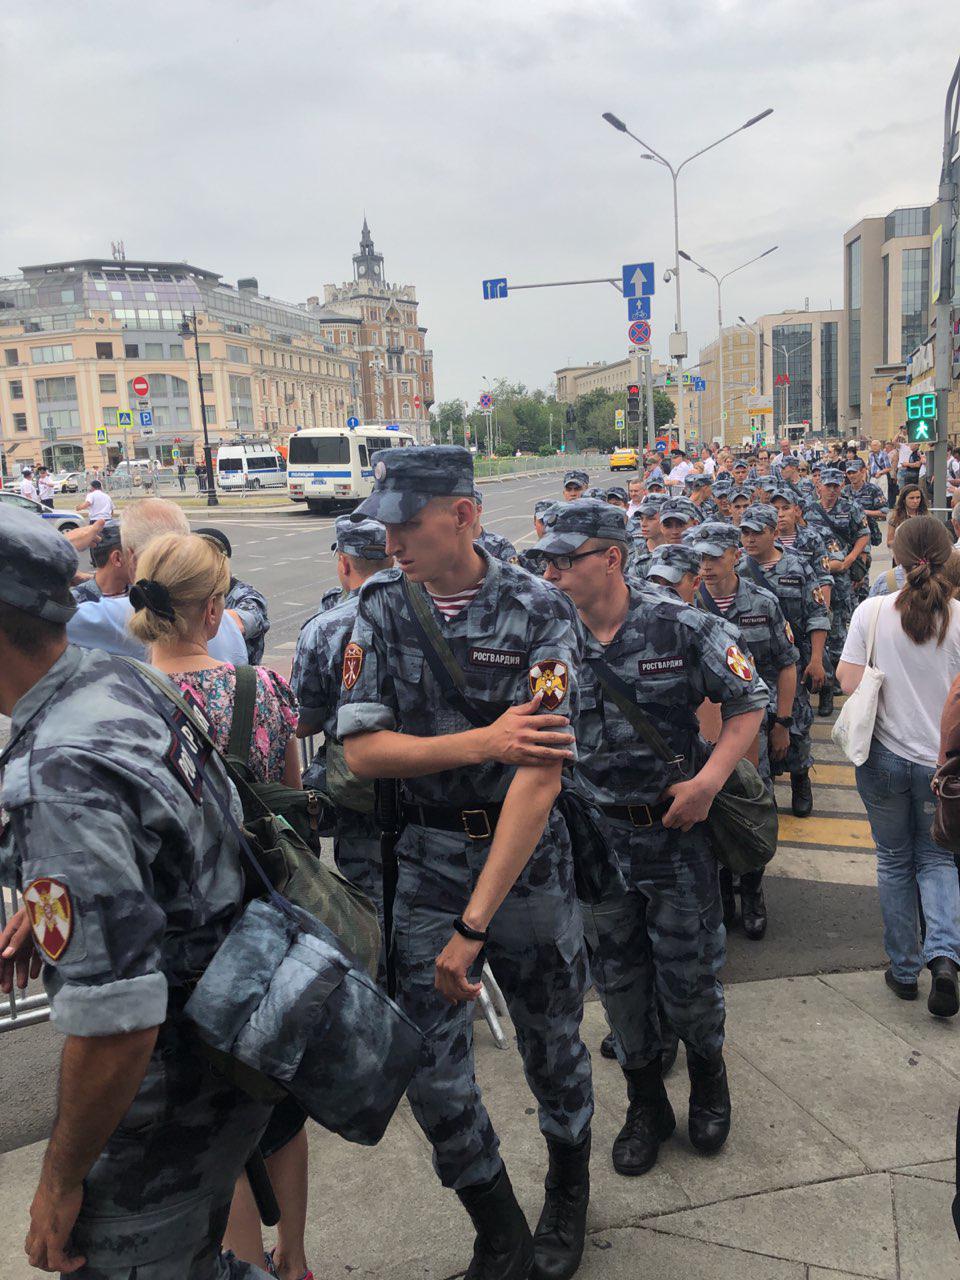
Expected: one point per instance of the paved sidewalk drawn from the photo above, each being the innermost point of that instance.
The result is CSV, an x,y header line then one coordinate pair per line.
x,y
839,1164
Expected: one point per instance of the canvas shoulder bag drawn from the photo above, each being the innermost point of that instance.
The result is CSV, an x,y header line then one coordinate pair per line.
x,y
853,730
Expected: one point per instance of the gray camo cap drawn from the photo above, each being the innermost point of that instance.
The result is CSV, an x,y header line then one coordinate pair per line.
x,y
366,539
36,564
405,480
713,538
671,561
579,478
759,517
570,524
680,509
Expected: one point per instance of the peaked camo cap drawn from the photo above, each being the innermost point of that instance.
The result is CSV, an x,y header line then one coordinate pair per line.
x,y
405,480
36,564
570,524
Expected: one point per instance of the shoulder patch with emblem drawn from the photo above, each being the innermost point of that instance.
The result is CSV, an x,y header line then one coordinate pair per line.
x,y
789,632
739,663
549,677
819,596
352,663
51,915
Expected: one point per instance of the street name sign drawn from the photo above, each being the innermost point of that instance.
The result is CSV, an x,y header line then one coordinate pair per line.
x,y
638,279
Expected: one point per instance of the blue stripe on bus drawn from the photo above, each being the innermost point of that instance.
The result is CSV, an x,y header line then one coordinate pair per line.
x,y
326,474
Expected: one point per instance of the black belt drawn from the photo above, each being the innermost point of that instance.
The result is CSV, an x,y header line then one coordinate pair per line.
x,y
641,815
479,823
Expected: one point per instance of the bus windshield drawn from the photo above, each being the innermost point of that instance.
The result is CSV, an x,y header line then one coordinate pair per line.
x,y
310,450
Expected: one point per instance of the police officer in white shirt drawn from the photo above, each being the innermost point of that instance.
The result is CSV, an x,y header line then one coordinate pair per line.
x,y
98,503
45,487
27,488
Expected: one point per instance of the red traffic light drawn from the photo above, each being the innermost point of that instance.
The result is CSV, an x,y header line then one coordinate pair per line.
x,y
633,390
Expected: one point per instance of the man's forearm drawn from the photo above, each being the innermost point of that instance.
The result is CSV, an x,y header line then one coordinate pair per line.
x,y
818,641
99,1078
786,690
526,808
736,738
386,754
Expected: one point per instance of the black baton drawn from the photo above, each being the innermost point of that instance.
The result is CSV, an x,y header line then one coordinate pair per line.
x,y
262,1189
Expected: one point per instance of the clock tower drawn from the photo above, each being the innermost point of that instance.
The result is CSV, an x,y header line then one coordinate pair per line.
x,y
367,264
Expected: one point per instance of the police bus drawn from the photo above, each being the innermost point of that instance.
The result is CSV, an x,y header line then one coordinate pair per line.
x,y
251,465
332,464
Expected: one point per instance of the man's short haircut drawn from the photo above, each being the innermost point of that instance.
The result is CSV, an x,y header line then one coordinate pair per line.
x,y
147,519
29,634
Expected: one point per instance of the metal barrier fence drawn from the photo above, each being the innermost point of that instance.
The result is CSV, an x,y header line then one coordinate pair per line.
x,y
20,1009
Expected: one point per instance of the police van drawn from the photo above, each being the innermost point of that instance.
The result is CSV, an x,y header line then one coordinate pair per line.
x,y
250,466
331,465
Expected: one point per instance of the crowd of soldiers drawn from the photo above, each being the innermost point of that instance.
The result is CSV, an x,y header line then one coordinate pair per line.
x,y
497,690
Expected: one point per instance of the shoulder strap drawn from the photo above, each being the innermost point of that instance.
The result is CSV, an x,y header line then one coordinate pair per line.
x,y
621,693
872,637
708,602
244,704
439,657
757,574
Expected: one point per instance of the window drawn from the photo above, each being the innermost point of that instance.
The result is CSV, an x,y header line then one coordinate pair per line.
x,y
404,387
104,350
19,422
906,222
179,388
206,381
204,350
51,355
12,356
16,389
108,382
885,311
914,298
828,375
108,415
176,350
153,350
311,450
56,389
237,354
54,420
241,400
792,355
362,450
131,350
211,415
853,322
182,414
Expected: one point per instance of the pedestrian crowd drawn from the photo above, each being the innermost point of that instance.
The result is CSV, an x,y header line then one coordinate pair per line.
x,y
526,756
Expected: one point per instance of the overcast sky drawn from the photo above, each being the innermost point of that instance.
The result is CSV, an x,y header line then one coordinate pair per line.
x,y
249,136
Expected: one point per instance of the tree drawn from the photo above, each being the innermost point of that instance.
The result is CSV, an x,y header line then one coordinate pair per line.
x,y
664,409
447,421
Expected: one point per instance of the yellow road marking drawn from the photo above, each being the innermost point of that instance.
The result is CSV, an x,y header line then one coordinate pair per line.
x,y
834,833
834,775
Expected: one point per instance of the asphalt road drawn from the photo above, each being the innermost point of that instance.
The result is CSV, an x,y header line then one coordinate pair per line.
x,y
822,898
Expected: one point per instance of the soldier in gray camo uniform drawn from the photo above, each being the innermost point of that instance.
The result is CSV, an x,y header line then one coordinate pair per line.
x,y
873,504
111,576
574,484
644,533
485,862
316,680
498,546
801,598
245,602
662,937
531,560
701,495
843,527
729,593
130,879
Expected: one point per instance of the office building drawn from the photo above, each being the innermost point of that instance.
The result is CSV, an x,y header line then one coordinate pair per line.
x,y
740,381
75,335
574,381
886,306
396,366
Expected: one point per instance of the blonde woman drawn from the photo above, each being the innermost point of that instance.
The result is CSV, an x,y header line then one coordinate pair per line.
x,y
178,603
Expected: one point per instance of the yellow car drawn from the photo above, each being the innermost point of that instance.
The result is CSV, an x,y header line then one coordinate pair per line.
x,y
623,460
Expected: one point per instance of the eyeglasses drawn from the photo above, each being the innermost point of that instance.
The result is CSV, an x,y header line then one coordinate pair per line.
x,y
566,562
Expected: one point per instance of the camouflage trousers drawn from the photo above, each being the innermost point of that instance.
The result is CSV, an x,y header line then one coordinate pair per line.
x,y
799,755
536,952
661,941
842,605
156,1201
356,851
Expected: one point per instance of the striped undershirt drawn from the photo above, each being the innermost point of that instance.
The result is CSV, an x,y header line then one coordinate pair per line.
x,y
788,539
723,603
450,606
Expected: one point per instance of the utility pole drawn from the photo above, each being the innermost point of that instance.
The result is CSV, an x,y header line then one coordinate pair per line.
x,y
943,341
648,382
188,328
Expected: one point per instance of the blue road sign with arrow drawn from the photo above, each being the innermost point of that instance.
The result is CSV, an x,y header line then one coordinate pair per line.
x,y
638,279
638,308
353,422
496,288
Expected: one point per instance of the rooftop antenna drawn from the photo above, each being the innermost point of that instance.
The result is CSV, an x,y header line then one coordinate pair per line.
x,y
118,250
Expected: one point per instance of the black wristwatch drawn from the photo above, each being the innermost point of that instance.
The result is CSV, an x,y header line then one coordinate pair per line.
x,y
785,721
472,935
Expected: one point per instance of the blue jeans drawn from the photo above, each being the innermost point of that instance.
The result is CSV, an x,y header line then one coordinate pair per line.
x,y
900,806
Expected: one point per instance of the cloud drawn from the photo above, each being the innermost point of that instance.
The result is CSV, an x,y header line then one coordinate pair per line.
x,y
249,138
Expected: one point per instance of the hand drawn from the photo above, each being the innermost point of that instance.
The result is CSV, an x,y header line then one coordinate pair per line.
x,y
779,742
451,969
52,1216
816,673
522,737
18,955
691,803
86,536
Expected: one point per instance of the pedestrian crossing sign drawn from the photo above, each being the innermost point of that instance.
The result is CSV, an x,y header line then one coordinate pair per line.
x,y
125,419
102,435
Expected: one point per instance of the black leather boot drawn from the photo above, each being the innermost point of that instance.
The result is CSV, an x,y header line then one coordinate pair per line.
x,y
606,1046
671,1043
728,899
709,1119
558,1239
753,910
801,794
944,998
650,1121
503,1249
826,701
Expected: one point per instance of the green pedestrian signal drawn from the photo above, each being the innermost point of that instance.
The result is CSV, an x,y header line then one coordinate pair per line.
x,y
921,417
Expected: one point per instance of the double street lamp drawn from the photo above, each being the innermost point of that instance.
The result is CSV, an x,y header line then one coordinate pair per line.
x,y
188,329
678,349
718,280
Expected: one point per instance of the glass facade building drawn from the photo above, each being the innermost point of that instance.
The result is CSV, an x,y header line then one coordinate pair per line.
x,y
853,323
792,358
914,299
829,381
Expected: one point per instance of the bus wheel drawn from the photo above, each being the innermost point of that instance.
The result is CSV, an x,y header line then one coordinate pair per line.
x,y
315,507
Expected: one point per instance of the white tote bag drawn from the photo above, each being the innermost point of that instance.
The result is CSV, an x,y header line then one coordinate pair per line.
x,y
853,730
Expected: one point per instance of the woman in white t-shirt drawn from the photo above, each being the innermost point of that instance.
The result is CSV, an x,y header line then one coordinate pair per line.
x,y
918,651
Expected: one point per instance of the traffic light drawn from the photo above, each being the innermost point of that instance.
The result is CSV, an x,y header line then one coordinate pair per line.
x,y
921,417
633,404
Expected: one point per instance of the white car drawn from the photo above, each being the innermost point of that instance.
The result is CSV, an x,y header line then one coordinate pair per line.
x,y
63,521
67,482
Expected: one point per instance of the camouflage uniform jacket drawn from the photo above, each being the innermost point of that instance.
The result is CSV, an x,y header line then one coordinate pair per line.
x,y
87,590
252,608
318,665
498,546
800,597
757,614
518,635
674,656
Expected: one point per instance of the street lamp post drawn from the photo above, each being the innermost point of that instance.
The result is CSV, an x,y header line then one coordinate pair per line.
x,y
718,280
786,353
651,154
187,329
